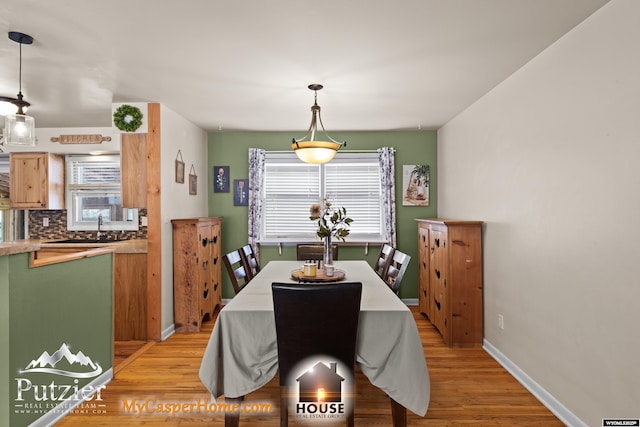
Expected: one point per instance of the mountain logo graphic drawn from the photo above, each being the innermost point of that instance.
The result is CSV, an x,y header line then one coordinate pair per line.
x,y
71,365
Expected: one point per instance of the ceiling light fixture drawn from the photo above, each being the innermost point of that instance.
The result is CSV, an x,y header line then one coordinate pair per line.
x,y
19,129
310,150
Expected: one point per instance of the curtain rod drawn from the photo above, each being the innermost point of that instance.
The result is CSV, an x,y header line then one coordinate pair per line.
x,y
341,151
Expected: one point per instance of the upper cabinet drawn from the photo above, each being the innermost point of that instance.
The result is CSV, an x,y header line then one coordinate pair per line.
x,y
37,180
133,170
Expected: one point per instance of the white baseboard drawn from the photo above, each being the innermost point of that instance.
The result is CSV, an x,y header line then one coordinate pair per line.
x,y
546,398
170,330
68,405
406,301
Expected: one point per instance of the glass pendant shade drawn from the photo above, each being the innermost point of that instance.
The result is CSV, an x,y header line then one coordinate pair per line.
x,y
20,130
316,152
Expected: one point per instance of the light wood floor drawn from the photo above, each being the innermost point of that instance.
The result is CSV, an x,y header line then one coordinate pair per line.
x,y
468,387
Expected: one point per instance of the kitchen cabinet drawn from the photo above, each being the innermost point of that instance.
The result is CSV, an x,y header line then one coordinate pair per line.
x,y
130,296
133,170
197,274
450,278
37,180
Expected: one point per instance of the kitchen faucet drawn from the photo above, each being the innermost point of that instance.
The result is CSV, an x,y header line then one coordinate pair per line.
x,y
99,234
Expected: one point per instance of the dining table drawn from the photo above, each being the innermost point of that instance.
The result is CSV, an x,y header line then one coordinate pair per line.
x,y
242,355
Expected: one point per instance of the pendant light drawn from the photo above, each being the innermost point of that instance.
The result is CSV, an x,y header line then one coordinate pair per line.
x,y
311,150
19,129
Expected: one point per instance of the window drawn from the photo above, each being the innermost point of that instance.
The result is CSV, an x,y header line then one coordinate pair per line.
x,y
350,180
93,189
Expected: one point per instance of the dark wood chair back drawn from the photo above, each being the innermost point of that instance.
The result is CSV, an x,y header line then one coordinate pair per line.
x,y
236,269
314,251
383,260
396,269
314,320
250,261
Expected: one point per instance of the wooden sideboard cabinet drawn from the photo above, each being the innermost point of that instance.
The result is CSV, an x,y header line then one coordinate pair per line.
x,y
37,180
450,278
197,286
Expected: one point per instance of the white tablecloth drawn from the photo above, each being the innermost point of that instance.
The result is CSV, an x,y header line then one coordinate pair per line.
x,y
242,354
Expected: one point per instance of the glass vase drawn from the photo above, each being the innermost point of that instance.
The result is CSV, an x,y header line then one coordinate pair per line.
x,y
328,253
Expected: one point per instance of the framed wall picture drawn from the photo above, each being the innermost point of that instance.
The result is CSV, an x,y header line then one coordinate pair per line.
x,y
221,179
415,185
179,168
193,181
241,192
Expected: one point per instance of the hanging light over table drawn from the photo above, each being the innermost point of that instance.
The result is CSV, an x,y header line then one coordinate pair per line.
x,y
307,148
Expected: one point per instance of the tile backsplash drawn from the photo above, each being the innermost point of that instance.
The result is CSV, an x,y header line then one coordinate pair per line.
x,y
57,228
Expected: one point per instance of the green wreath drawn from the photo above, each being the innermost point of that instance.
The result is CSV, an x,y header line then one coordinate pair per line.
x,y
127,118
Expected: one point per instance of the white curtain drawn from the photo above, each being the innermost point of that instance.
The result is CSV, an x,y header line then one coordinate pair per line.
x,y
256,177
387,171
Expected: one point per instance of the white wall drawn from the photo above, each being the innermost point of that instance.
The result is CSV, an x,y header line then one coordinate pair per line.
x,y
549,160
176,133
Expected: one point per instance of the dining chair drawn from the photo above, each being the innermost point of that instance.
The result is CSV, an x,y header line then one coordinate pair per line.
x,y
314,251
236,269
250,261
314,320
383,260
396,269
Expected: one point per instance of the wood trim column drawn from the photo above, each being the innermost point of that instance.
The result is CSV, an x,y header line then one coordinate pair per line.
x,y
154,230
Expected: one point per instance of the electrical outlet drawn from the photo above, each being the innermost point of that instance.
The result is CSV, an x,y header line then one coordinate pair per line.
x,y
45,222
500,321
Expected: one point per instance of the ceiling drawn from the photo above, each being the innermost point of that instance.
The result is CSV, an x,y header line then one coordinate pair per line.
x,y
245,65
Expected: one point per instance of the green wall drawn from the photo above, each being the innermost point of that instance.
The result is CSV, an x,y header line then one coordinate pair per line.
x,y
69,302
4,340
412,147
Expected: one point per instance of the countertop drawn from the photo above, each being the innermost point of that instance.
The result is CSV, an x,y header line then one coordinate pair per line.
x,y
120,246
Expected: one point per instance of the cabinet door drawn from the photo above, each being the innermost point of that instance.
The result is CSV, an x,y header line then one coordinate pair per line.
x,y
37,181
28,180
438,282
216,264
133,170
423,272
205,266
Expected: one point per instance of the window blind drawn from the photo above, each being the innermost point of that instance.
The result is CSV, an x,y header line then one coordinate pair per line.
x,y
290,188
94,172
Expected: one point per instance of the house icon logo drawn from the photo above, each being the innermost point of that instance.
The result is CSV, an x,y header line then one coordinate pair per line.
x,y
321,383
323,386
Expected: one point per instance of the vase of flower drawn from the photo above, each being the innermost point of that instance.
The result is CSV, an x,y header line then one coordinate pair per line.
x,y
327,259
332,222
